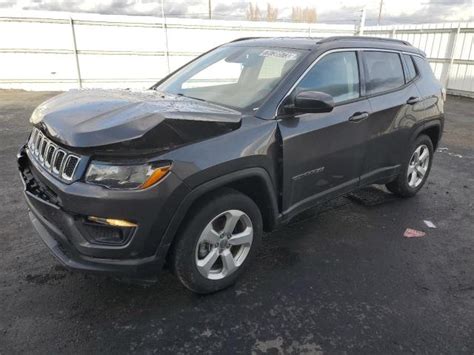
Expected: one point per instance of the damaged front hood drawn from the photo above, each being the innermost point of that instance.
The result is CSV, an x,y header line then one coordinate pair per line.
x,y
147,119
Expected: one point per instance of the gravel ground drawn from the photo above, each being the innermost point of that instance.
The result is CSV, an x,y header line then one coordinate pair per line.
x,y
339,279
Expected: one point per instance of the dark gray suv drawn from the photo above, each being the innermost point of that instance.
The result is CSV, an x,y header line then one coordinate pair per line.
x,y
236,142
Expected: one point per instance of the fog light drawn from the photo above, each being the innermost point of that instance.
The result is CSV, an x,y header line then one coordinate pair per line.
x,y
112,222
106,231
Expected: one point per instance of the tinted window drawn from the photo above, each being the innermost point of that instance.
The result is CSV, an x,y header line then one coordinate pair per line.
x,y
411,71
424,67
384,71
336,74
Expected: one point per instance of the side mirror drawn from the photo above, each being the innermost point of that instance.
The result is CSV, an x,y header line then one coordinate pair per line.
x,y
312,102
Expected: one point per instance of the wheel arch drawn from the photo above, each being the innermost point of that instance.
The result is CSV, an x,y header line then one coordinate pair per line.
x,y
253,182
433,130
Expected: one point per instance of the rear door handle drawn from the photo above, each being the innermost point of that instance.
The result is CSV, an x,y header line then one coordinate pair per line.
x,y
413,100
358,116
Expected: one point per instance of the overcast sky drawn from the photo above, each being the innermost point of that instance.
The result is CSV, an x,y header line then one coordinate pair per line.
x,y
329,11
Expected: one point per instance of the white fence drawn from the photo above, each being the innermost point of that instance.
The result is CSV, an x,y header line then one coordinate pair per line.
x,y
53,51
58,51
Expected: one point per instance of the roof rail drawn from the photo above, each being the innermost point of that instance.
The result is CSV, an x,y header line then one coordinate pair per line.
x,y
244,39
348,38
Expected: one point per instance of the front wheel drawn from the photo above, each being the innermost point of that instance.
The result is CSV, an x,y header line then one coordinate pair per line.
x,y
415,169
218,241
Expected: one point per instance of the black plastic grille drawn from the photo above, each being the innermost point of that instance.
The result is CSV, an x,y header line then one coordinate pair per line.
x,y
50,153
59,160
106,235
34,186
43,147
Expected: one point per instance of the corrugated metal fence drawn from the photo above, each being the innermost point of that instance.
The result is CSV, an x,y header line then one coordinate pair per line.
x,y
49,50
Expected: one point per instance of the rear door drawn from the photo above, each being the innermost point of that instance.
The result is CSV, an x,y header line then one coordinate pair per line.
x,y
323,153
392,100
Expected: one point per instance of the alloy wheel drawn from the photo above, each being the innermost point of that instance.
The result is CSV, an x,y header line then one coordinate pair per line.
x,y
418,166
224,244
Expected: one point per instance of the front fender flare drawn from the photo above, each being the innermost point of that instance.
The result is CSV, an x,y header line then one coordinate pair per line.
x,y
201,190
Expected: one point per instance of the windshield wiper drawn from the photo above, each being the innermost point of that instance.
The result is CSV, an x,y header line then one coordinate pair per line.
x,y
190,97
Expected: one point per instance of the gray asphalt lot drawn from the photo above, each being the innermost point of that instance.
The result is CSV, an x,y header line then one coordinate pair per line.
x,y
341,278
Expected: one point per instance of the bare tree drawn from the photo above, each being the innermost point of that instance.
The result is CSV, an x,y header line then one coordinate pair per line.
x,y
272,13
307,14
253,13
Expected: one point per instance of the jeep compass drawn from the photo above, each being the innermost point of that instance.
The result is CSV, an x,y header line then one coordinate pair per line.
x,y
192,171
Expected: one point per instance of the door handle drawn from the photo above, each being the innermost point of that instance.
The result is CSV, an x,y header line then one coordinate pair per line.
x,y
358,116
413,100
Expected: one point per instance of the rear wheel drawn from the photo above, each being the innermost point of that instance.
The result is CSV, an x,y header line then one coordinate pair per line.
x,y
218,242
415,169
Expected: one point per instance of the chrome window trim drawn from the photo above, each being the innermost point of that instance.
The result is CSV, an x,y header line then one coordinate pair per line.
x,y
350,49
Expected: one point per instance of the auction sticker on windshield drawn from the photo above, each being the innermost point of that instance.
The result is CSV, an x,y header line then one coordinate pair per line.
x,y
279,54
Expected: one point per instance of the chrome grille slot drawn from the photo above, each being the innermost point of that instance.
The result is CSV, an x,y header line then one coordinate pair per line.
x,y
57,161
69,167
32,141
42,153
49,154
39,139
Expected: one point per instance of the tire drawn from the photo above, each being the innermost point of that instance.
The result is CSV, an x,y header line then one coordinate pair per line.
x,y
411,180
207,232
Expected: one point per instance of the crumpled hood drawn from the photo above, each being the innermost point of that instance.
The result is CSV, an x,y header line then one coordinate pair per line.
x,y
134,119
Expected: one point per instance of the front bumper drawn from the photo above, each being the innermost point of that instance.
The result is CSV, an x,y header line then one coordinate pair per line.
x,y
58,211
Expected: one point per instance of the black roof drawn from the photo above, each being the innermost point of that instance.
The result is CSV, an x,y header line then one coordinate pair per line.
x,y
285,42
311,43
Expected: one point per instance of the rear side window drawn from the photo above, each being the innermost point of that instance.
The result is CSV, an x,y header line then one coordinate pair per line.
x,y
411,71
424,67
384,71
336,74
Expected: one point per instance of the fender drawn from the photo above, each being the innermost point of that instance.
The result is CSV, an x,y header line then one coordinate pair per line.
x,y
436,122
211,185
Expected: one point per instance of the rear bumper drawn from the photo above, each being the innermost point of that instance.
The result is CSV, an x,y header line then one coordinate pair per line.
x,y
58,212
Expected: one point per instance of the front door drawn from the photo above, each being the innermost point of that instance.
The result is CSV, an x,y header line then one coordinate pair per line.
x,y
323,153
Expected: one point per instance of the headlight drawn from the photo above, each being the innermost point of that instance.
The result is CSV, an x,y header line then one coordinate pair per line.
x,y
37,114
126,176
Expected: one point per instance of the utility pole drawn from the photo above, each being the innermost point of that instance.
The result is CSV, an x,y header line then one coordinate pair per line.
x,y
165,30
360,29
210,10
380,13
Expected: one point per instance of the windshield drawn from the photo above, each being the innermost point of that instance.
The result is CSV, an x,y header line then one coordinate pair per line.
x,y
238,77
